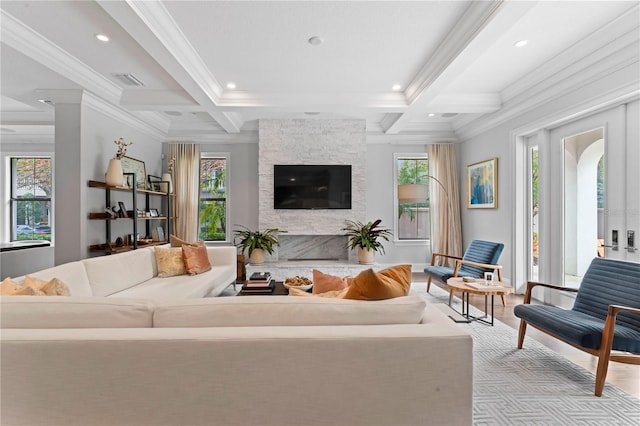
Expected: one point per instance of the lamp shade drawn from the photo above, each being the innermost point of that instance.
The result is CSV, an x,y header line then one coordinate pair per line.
x,y
412,193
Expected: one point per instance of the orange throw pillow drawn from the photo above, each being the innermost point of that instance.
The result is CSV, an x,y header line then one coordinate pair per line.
x,y
323,283
196,260
385,284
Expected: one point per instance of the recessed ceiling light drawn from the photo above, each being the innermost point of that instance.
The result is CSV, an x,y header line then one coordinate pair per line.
x,y
46,101
231,85
432,114
396,87
315,41
521,43
102,37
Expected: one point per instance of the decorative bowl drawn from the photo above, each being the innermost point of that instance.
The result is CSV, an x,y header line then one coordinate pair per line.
x,y
304,287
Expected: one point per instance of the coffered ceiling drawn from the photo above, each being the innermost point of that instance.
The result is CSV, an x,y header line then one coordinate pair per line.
x,y
454,63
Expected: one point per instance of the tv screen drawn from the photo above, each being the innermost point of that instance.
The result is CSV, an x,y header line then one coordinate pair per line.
x,y
311,186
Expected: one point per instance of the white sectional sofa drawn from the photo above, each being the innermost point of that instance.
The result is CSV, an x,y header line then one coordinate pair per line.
x,y
130,362
134,274
177,358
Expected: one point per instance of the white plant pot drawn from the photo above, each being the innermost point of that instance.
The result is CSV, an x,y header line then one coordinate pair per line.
x,y
114,176
366,257
257,257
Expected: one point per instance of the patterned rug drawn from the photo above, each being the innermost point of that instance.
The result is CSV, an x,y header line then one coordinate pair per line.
x,y
532,386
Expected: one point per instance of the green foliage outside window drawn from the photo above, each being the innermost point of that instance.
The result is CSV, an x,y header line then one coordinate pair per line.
x,y
213,199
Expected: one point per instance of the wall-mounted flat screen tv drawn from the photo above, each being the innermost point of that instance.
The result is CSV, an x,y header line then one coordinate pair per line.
x,y
311,186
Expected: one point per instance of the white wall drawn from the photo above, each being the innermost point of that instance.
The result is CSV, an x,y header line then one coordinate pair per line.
x,y
83,156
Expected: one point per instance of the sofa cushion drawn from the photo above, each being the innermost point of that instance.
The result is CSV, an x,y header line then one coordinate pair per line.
x,y
196,259
74,312
182,287
287,311
169,262
110,274
385,284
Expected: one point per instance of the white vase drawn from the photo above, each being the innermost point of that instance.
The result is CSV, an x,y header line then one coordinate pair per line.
x,y
114,176
257,257
365,256
166,177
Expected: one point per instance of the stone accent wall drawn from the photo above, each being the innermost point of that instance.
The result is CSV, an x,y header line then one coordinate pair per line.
x,y
312,141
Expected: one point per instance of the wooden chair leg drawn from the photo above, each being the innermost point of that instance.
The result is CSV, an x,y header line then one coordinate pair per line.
x,y
428,283
521,331
504,300
605,353
451,296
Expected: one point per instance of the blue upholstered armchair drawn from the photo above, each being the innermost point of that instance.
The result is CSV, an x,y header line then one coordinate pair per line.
x,y
604,320
480,257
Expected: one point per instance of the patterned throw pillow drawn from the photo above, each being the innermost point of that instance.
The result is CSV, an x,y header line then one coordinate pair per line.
x,y
53,287
169,261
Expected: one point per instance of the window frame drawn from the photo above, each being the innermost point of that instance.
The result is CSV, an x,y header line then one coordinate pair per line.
x,y
396,225
227,157
7,227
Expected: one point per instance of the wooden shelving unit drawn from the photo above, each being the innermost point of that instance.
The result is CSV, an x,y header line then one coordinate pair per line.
x,y
109,246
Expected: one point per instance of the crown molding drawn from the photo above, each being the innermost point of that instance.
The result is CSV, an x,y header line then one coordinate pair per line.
x,y
215,138
614,36
118,114
19,36
159,21
598,65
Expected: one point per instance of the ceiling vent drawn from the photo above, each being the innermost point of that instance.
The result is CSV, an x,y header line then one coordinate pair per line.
x,y
128,79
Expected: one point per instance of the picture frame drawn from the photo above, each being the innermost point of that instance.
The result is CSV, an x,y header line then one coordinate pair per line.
x,y
154,212
131,165
482,184
154,183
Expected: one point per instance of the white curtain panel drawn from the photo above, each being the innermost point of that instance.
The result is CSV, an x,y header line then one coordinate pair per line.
x,y
186,183
446,230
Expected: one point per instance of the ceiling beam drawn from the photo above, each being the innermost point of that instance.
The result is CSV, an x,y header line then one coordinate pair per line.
x,y
153,27
482,24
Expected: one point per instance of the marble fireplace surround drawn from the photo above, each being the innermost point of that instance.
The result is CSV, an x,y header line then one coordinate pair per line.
x,y
312,247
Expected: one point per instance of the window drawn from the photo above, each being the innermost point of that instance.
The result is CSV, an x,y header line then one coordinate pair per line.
x,y
412,200
213,206
30,201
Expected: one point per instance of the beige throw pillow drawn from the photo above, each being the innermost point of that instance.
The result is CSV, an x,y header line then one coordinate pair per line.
x,y
9,287
53,287
169,262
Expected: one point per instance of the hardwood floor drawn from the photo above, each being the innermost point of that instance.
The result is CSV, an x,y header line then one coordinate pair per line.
x,y
623,376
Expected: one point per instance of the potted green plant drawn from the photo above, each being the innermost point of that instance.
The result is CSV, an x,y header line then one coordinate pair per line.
x,y
366,238
257,242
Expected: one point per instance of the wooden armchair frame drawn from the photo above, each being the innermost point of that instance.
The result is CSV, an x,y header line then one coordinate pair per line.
x,y
459,262
605,353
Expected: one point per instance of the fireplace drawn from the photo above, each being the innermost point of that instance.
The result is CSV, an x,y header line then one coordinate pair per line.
x,y
312,247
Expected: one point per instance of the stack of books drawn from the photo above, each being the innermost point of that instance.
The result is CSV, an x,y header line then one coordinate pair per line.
x,y
259,282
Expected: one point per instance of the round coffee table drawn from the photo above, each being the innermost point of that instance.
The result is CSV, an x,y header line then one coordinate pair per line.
x,y
478,287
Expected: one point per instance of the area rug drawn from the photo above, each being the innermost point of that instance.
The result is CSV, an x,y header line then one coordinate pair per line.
x,y
532,386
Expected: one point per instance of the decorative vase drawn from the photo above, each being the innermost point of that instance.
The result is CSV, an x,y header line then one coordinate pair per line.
x,y
365,256
164,187
114,176
257,257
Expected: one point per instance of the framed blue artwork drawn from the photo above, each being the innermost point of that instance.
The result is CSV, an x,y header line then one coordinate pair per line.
x,y
482,184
